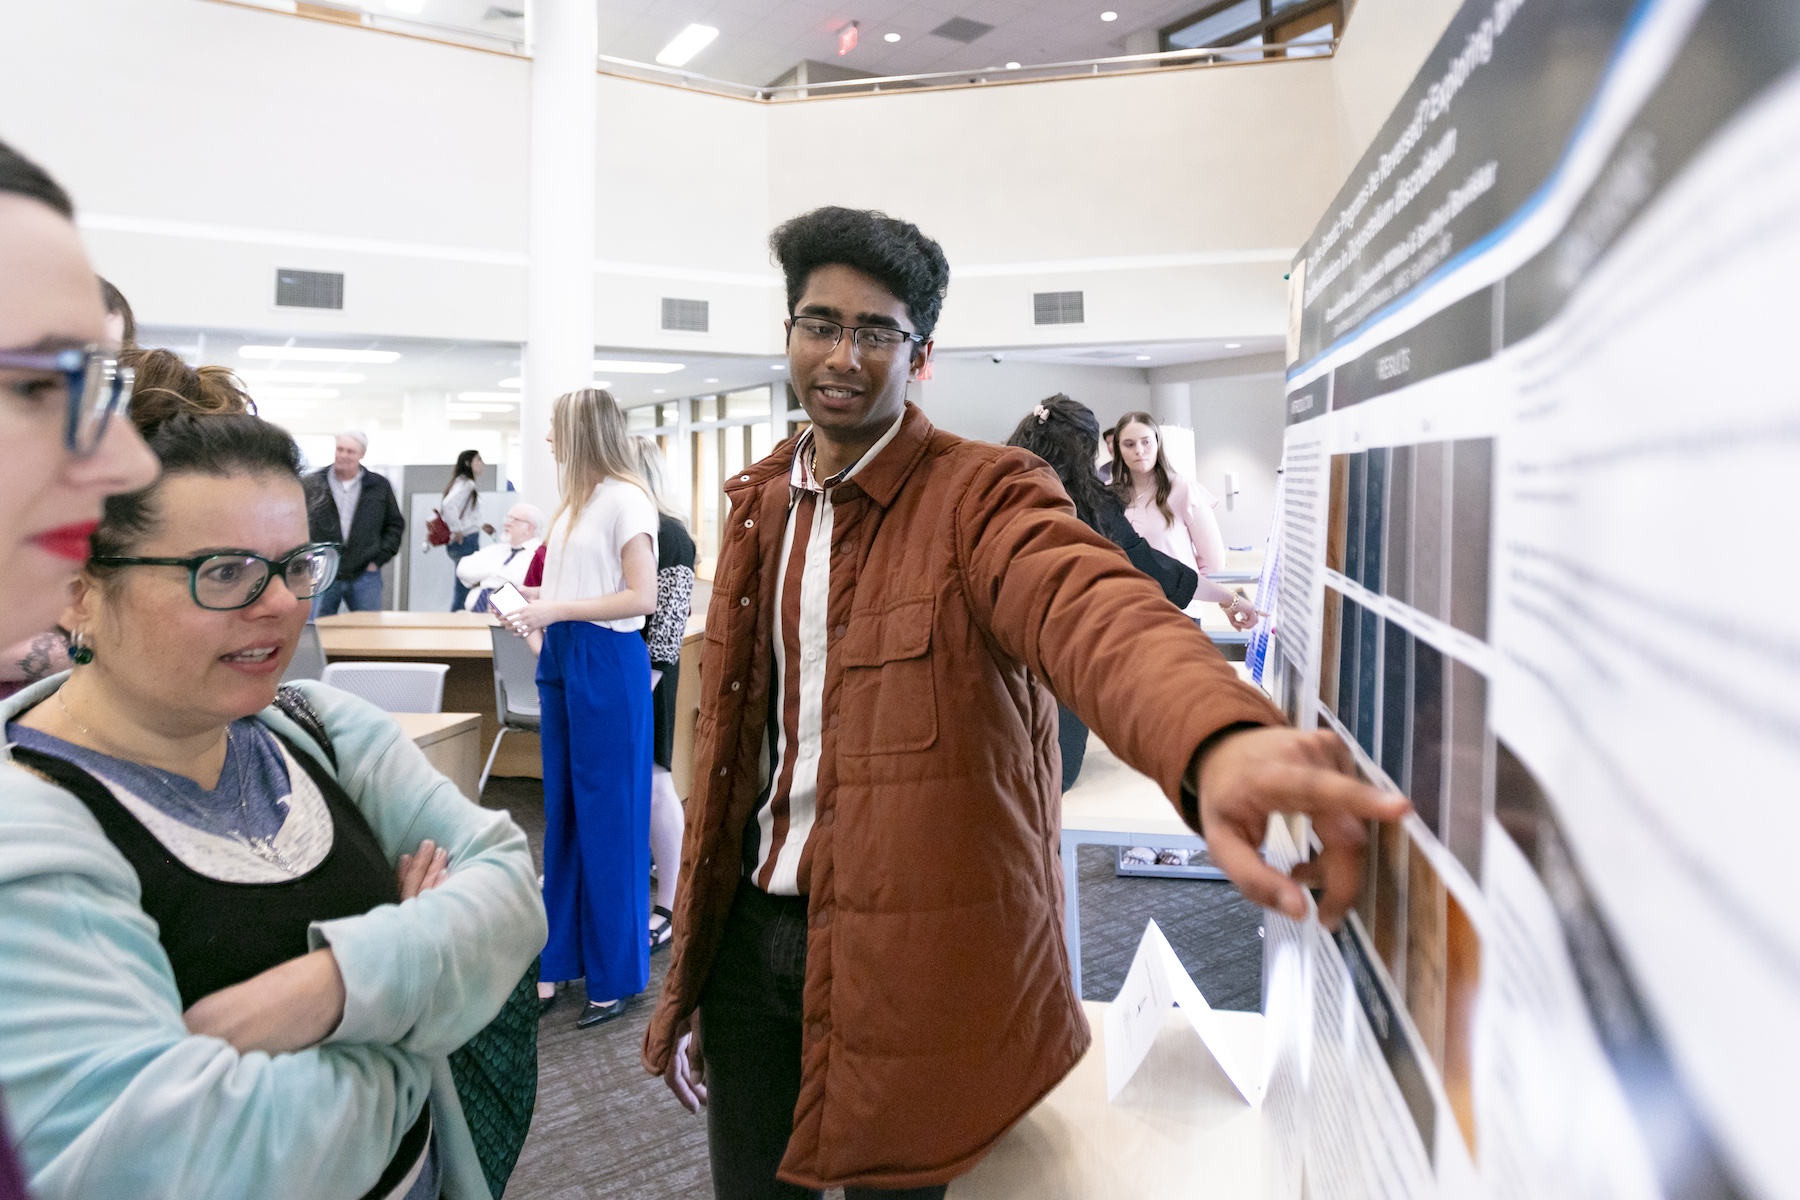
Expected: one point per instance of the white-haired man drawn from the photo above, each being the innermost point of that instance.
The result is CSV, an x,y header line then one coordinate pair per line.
x,y
504,561
355,508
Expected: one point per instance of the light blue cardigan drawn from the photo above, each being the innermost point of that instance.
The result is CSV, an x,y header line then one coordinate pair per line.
x,y
111,1097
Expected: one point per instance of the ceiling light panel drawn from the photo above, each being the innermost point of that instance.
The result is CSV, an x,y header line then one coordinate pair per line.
x,y
686,44
618,366
279,376
325,354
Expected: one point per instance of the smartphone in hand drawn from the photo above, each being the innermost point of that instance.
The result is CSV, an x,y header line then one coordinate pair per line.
x,y
506,600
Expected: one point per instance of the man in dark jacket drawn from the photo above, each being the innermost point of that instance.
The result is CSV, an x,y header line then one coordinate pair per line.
x,y
888,606
356,509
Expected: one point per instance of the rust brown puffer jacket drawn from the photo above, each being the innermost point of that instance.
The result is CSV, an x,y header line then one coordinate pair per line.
x,y
938,1007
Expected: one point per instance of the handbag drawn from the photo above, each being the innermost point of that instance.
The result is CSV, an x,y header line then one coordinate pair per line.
x,y
496,1071
437,530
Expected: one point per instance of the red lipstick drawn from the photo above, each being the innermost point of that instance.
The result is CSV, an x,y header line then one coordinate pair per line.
x,y
68,541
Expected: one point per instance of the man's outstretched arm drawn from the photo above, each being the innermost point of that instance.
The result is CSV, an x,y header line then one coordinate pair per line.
x,y
1067,603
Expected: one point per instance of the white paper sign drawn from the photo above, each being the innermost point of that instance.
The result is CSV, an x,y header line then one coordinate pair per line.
x,y
1157,980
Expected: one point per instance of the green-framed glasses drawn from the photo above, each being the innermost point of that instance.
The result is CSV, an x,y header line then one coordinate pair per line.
x,y
223,580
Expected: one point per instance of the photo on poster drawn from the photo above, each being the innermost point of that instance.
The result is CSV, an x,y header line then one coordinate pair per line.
x,y
1443,976
1330,648
1397,1051
1337,513
1686,1155
1471,523
1470,771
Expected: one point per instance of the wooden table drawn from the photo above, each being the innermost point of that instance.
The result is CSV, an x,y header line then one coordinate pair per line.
x,y
1179,1129
451,742
461,640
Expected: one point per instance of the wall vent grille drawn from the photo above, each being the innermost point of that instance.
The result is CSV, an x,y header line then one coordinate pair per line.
x,y
1057,308
308,289
686,316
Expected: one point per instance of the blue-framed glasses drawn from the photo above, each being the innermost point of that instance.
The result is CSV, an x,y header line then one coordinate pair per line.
x,y
89,381
224,580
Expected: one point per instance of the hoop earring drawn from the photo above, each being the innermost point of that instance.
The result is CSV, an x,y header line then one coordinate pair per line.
x,y
80,653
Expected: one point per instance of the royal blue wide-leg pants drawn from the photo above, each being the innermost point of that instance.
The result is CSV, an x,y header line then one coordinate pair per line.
x,y
594,686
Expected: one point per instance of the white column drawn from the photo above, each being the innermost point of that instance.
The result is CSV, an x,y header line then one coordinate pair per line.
x,y
559,347
1170,404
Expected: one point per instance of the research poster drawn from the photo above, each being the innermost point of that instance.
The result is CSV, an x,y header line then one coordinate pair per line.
x,y
1539,571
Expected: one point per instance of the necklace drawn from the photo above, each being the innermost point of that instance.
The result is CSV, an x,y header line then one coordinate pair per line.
x,y
262,847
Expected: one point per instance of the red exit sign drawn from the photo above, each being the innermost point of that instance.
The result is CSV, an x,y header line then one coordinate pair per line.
x,y
847,39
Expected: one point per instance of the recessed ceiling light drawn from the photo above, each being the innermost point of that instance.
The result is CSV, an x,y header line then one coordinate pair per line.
x,y
890,37
712,380
1012,66
658,391
777,366
601,383
1234,345
1143,358
1109,16
318,354
635,367
466,406
464,416
686,44
413,7
281,395
255,377
506,399
514,382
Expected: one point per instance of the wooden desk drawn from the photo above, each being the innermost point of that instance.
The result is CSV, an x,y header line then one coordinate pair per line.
x,y
451,742
462,640
1179,1129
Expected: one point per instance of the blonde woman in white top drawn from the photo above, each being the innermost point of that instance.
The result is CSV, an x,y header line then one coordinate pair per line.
x,y
596,724
1174,514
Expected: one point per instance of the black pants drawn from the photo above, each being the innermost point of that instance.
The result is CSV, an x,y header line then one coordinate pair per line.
x,y
1072,735
750,1033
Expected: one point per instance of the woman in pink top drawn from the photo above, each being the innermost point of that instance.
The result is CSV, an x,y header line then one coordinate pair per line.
x,y
1173,514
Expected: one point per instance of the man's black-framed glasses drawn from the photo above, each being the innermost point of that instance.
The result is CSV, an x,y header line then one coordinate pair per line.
x,y
224,580
876,341
92,384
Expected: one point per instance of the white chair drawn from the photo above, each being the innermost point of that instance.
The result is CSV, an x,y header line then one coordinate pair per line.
x,y
309,657
398,687
515,692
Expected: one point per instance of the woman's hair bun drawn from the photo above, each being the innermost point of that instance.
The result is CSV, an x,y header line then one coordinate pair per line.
x,y
168,387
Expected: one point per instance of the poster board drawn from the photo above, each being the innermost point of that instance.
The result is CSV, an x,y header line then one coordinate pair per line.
x,y
1537,573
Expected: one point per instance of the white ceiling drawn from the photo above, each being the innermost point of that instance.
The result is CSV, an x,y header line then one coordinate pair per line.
x,y
760,40
1143,356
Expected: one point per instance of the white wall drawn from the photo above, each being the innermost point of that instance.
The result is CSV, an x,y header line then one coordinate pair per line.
x,y
1148,192
1237,424
977,398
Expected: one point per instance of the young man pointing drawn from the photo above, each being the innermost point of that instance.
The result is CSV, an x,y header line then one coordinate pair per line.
x,y
869,984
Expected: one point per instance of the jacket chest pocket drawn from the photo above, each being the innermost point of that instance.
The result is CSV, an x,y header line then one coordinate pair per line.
x,y
888,682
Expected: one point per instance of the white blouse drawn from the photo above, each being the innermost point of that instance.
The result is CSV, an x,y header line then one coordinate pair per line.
x,y
588,562
461,520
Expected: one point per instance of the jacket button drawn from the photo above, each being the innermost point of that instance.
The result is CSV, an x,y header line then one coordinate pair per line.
x,y
840,631
822,918
749,524
743,479
735,685
723,771
834,720
827,817
743,602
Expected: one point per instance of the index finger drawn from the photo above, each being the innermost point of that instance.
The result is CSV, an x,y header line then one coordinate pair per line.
x,y
1243,864
1316,790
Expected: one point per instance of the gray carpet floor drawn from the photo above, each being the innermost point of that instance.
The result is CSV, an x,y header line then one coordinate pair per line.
x,y
604,1128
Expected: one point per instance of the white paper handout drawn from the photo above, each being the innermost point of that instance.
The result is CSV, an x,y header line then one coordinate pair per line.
x,y
1157,980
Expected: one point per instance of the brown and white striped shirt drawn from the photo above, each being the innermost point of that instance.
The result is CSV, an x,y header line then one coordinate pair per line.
x,y
775,849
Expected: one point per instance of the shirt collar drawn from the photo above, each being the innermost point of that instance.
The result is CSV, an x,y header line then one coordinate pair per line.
x,y
802,477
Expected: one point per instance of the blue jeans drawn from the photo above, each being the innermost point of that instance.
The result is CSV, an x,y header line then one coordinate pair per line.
x,y
362,594
459,549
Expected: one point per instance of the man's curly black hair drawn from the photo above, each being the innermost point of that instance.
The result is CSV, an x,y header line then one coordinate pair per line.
x,y
894,252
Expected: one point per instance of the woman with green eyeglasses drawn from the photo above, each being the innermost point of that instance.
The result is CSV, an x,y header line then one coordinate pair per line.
x,y
260,928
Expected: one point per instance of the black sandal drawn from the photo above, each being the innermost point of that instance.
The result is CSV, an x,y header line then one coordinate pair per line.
x,y
660,937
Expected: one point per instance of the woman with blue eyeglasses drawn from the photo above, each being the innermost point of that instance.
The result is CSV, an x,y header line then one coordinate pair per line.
x,y
58,389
